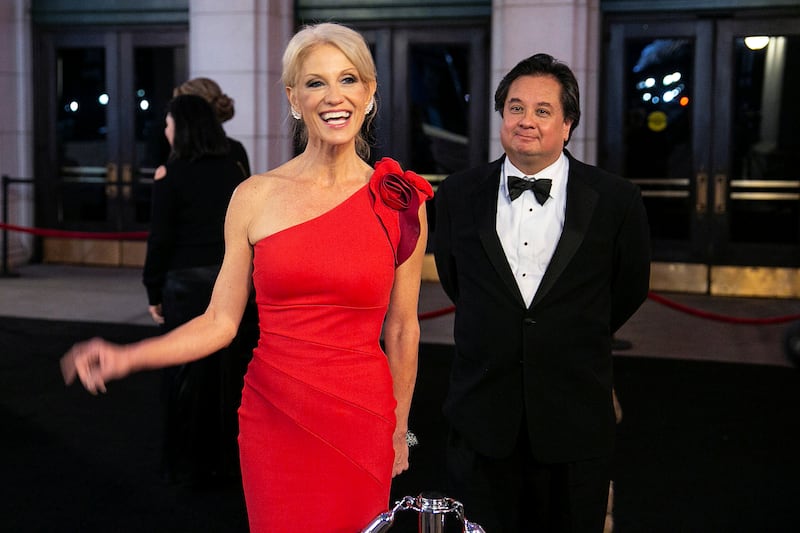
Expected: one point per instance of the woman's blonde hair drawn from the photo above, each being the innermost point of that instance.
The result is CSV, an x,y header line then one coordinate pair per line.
x,y
212,93
352,45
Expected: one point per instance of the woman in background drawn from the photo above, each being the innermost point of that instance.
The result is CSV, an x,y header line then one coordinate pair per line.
x,y
185,248
222,104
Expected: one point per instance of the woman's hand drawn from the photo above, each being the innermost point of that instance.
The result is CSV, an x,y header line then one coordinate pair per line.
x,y
400,444
161,173
94,362
157,313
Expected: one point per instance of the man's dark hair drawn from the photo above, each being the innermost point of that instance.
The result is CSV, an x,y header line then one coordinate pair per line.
x,y
545,65
197,131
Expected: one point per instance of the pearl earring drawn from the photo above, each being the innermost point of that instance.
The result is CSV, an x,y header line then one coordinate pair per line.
x,y
370,106
295,114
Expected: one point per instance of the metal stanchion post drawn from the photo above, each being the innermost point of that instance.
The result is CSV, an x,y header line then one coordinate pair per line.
x,y
433,509
5,220
6,272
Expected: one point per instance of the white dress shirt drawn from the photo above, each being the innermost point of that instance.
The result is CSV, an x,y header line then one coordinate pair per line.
x,y
528,231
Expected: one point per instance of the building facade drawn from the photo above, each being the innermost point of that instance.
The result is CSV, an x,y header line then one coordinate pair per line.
x,y
673,98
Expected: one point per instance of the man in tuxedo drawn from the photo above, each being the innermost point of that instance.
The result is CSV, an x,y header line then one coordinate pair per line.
x,y
545,258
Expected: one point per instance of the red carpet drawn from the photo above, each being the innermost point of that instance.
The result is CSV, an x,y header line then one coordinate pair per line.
x,y
703,447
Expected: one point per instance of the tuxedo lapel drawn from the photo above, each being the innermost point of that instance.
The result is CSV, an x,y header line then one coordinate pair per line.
x,y
581,202
484,202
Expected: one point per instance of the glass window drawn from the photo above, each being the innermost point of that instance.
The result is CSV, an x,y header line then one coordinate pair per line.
x,y
765,168
658,130
439,107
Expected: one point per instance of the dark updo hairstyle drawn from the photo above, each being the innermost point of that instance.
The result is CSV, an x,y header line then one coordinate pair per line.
x,y
545,65
198,133
211,91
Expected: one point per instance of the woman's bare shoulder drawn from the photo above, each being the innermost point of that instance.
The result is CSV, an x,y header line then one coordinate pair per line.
x,y
254,189
267,182
263,194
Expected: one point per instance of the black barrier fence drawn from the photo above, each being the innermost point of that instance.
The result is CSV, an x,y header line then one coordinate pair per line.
x,y
7,181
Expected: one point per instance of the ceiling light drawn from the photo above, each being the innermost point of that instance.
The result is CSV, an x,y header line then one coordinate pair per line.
x,y
756,42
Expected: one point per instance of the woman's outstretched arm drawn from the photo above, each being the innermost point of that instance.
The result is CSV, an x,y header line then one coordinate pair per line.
x,y
96,362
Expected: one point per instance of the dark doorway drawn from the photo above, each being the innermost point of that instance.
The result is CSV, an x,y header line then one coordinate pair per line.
x,y
701,117
100,101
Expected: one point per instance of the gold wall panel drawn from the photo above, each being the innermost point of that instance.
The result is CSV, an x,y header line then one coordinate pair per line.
x,y
82,251
769,282
133,253
98,252
679,277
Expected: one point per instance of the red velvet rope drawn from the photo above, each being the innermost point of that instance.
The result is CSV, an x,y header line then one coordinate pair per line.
x,y
674,305
142,235
65,234
438,312
721,318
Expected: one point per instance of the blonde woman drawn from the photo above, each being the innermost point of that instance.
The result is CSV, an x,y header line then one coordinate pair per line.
x,y
334,248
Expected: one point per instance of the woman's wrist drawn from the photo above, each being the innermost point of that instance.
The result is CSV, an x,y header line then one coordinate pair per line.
x,y
407,436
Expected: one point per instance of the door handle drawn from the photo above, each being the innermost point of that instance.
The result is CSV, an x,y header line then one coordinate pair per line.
x,y
112,190
127,180
720,193
701,196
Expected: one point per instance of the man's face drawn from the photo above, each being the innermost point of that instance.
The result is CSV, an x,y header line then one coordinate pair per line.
x,y
534,129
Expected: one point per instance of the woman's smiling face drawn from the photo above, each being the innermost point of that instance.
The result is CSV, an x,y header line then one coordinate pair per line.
x,y
331,96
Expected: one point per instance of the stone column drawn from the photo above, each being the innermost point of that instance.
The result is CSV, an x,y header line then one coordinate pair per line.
x,y
239,45
16,122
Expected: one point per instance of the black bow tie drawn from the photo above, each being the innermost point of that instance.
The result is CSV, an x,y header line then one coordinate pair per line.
x,y
540,188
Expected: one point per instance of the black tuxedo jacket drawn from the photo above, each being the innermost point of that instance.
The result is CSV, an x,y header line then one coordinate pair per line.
x,y
550,362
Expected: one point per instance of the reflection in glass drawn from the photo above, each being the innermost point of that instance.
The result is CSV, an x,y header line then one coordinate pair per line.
x,y
439,96
765,168
155,71
658,130
81,131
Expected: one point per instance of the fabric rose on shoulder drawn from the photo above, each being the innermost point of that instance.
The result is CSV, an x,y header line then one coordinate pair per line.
x,y
396,198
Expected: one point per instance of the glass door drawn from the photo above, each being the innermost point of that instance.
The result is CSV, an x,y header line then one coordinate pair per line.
x,y
432,89
100,105
658,91
81,170
756,180
159,63
703,121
